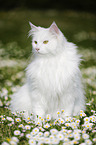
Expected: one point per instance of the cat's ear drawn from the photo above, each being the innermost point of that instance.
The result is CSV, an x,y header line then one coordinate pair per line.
x,y
54,28
33,27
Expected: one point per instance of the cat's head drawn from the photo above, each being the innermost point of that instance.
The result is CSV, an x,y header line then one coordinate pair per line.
x,y
46,40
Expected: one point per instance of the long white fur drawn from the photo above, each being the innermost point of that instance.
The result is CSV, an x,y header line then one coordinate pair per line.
x,y
53,77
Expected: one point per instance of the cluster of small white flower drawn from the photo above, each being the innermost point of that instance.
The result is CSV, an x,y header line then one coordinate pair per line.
x,y
67,130
11,141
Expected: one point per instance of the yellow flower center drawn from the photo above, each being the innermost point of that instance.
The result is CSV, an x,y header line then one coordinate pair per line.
x,y
8,139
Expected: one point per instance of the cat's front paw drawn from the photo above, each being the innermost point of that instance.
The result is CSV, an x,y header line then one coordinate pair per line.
x,y
67,114
39,112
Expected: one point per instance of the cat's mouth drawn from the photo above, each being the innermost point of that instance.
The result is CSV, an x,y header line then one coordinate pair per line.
x,y
38,51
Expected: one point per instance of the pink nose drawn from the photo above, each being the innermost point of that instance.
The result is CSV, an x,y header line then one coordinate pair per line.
x,y
37,49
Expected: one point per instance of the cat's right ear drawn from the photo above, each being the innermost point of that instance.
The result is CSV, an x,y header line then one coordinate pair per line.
x,y
54,28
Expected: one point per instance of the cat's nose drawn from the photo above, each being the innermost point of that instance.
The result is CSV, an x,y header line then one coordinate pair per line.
x,y
37,49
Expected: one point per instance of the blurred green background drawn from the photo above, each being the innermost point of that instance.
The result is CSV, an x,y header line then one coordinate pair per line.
x,y
72,17
76,19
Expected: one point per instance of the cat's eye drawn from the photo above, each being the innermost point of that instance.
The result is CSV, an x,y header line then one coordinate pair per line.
x,y
45,42
35,42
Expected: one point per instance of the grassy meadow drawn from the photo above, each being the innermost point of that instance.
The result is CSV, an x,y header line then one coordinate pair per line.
x,y
15,53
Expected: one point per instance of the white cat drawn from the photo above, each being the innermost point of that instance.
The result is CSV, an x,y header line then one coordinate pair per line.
x,y
53,77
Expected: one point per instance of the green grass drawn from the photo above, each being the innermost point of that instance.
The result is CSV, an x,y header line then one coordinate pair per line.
x,y
15,52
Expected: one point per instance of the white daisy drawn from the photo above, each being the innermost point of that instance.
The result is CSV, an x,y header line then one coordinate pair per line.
x,y
64,131
58,112
77,137
77,121
17,132
3,118
61,121
73,125
42,129
18,119
60,136
88,141
52,137
9,118
69,131
67,119
75,142
35,131
93,118
32,142
40,143
46,134
27,127
94,139
21,126
5,143
46,125
55,141
86,119
48,117
13,143
67,124
47,140
40,134
66,139
93,130
70,135
54,131
15,139
85,136
28,136
42,139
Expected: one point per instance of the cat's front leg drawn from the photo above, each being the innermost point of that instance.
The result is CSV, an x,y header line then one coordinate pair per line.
x,y
38,104
67,104
79,104
68,111
38,110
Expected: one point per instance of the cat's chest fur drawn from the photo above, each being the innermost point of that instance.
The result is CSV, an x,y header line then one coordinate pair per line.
x,y
49,74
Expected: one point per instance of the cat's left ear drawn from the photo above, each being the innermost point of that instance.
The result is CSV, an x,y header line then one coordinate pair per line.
x,y
33,27
54,28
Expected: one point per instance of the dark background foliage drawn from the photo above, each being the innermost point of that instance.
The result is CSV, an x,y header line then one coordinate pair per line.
x,y
85,5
